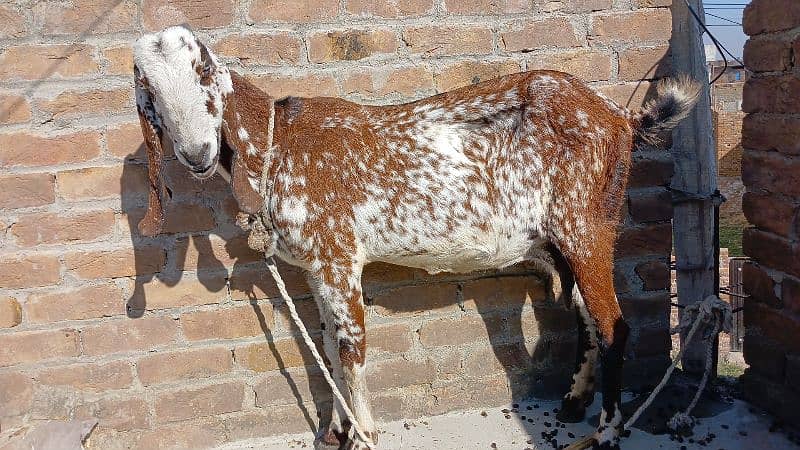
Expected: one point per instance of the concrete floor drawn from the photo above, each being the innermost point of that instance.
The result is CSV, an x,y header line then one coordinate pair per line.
x,y
736,427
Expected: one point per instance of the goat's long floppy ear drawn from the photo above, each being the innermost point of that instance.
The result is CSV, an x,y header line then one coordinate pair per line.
x,y
153,221
250,201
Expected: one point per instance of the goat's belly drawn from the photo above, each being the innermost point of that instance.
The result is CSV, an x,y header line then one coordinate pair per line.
x,y
462,251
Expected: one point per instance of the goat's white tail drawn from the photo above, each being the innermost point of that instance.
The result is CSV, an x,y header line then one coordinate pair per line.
x,y
676,98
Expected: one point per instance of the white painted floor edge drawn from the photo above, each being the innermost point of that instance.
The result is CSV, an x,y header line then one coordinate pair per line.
x,y
736,428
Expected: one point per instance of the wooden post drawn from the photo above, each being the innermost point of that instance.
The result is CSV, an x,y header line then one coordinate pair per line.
x,y
695,176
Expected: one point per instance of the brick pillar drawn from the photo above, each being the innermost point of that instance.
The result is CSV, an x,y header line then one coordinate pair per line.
x,y
771,174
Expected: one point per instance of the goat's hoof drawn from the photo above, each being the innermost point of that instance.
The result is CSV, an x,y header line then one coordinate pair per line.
x,y
355,443
573,410
328,441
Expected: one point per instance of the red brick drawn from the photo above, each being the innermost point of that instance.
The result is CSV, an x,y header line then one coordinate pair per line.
x,y
279,354
34,346
764,356
647,172
199,402
465,73
89,377
158,14
14,109
241,321
630,95
583,6
180,218
454,331
16,393
759,284
56,228
461,394
650,206
156,294
413,300
486,6
207,432
771,94
589,65
306,309
10,312
772,251
539,34
20,191
85,16
35,62
497,359
768,55
448,40
772,213
184,364
770,15
21,271
390,8
280,388
408,81
125,141
261,48
770,172
778,325
100,182
119,414
312,85
255,283
392,338
655,275
381,274
75,304
350,45
125,262
494,293
644,25
648,240
270,421
293,11
119,60
771,132
127,335
72,104
12,22
645,63
25,149
211,251
400,372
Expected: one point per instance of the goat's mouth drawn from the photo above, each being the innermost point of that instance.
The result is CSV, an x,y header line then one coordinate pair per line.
x,y
204,173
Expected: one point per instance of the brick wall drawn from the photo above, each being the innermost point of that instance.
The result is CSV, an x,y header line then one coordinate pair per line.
x,y
771,174
179,340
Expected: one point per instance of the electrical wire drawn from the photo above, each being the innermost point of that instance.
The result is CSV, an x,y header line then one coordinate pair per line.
x,y
721,48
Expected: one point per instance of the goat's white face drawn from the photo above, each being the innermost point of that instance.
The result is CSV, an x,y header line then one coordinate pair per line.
x,y
180,88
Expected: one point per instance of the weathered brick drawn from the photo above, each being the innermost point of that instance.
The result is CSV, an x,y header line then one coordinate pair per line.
x,y
71,104
33,346
770,172
20,271
771,132
647,172
56,228
207,432
20,191
75,304
448,40
241,321
211,251
25,149
157,294
768,55
464,73
771,94
641,63
119,60
261,48
199,402
773,324
254,283
589,65
390,8
35,62
14,109
119,414
280,388
180,218
539,34
461,394
486,6
406,81
772,251
85,16
100,182
392,338
456,331
312,85
641,241
644,25
652,3
399,372
306,309
772,213
488,294
10,312
128,335
350,45
759,284
380,274
124,262
16,393
293,11
125,141
630,95
650,206
12,22
279,354
91,377
412,300
270,421
770,15
579,6
497,358
655,275
184,364
158,14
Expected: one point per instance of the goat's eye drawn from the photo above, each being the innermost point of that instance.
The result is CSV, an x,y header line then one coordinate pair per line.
x,y
207,71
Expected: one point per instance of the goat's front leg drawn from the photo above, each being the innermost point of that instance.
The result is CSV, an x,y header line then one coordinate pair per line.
x,y
338,295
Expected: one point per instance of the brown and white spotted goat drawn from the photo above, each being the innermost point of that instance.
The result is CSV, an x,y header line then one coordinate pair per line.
x,y
527,167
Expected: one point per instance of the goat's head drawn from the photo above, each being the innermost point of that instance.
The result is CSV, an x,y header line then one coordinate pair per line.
x,y
182,92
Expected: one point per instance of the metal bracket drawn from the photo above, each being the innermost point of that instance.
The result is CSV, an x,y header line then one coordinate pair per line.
x,y
681,196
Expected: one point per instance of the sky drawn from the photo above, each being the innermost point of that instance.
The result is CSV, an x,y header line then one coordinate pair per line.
x,y
730,35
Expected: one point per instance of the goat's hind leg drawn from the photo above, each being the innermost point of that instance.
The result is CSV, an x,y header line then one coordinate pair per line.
x,y
581,393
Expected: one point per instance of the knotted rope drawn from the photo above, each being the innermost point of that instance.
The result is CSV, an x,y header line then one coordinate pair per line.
x,y
261,239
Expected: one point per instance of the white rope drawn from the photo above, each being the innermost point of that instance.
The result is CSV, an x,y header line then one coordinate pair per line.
x,y
273,269
710,308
